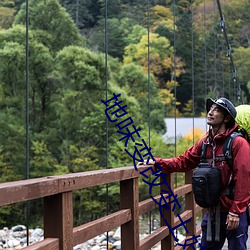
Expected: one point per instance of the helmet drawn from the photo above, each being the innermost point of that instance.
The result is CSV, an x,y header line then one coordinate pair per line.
x,y
223,103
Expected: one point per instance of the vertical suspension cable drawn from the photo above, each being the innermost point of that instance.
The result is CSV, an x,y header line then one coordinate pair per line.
x,y
229,84
77,13
192,28
175,94
205,51
237,89
148,24
174,72
106,81
27,207
149,73
215,52
222,68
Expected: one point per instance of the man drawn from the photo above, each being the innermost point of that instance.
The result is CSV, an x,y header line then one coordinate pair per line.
x,y
221,115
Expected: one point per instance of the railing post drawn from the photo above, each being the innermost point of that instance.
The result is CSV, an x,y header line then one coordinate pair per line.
x,y
190,205
58,219
168,242
129,198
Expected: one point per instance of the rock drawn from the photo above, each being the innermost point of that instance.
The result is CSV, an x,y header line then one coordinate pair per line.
x,y
100,238
38,232
111,240
3,233
117,245
95,248
18,228
111,233
13,243
117,235
103,243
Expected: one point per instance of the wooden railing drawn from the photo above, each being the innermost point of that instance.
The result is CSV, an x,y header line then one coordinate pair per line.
x,y
56,192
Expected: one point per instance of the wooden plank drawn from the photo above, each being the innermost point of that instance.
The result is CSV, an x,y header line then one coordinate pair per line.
x,y
58,219
184,216
94,178
198,230
129,199
24,190
168,242
185,189
90,230
179,247
46,244
198,209
190,205
152,239
148,205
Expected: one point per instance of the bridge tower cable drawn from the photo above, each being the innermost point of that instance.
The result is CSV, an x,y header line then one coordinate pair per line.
x,y
106,83
175,91
216,91
174,81
192,71
205,48
149,122
27,204
236,82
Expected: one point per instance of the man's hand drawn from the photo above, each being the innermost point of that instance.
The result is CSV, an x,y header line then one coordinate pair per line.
x,y
150,162
232,221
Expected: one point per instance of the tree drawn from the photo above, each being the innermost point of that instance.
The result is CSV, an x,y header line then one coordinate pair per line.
x,y
84,13
118,31
78,105
6,17
161,57
132,78
40,60
242,64
53,25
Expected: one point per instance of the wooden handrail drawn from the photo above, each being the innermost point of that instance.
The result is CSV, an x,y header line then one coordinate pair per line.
x,y
58,208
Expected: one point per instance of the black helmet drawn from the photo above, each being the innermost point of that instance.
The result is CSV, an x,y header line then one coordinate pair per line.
x,y
223,103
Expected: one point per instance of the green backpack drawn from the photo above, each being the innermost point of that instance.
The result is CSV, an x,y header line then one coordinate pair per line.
x,y
243,120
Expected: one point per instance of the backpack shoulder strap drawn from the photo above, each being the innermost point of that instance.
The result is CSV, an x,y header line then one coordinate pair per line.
x,y
227,148
203,152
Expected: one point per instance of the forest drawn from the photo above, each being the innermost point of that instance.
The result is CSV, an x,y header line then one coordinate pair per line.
x,y
164,58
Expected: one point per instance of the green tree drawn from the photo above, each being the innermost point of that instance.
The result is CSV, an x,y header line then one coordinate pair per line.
x,y
6,17
242,64
78,105
84,13
53,25
135,82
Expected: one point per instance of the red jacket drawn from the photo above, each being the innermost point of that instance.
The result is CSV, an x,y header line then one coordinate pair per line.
x,y
241,167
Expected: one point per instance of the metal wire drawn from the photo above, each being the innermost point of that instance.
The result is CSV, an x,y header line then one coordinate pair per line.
x,y
205,51
106,81
27,207
236,82
193,93
215,51
148,24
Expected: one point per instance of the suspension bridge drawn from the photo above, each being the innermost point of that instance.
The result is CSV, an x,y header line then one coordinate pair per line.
x,y
56,192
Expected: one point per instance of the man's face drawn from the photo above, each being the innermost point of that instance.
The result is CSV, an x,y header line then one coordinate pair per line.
x,y
215,116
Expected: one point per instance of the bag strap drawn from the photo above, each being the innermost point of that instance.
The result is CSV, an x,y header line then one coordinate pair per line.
x,y
227,148
203,152
227,151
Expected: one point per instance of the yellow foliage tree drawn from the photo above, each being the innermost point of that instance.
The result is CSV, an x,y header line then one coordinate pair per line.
x,y
6,17
161,16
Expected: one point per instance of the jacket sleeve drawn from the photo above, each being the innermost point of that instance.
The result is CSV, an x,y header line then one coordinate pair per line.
x,y
185,162
241,175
